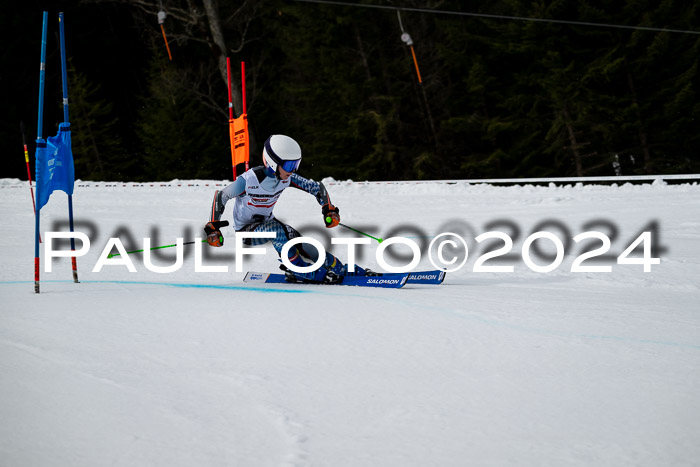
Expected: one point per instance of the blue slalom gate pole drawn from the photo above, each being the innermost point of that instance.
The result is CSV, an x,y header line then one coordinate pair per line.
x,y
42,75
40,146
64,76
64,79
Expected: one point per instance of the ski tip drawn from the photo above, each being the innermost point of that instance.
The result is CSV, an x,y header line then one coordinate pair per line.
x,y
427,277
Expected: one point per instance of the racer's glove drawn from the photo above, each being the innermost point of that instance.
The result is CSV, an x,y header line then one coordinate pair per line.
x,y
331,215
214,235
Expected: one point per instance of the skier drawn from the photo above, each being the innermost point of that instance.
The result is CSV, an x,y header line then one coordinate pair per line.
x,y
255,193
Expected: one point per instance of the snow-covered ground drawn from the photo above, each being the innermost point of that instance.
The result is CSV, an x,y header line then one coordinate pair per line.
x,y
517,368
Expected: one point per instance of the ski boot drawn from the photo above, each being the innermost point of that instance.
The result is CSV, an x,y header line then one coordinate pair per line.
x,y
331,272
359,271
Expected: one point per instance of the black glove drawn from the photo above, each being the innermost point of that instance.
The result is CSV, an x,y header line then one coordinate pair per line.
x,y
214,235
331,215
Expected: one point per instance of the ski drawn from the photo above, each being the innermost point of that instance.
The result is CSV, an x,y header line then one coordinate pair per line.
x,y
387,281
427,277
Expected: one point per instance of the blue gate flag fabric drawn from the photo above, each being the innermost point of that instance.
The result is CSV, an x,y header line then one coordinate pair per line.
x,y
54,165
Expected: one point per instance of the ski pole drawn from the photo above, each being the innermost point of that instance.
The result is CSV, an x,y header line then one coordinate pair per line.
x,y
380,240
111,255
217,225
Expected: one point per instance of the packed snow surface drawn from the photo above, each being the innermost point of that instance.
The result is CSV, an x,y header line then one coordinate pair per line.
x,y
189,368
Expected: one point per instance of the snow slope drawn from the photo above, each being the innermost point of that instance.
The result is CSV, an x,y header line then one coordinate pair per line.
x,y
490,369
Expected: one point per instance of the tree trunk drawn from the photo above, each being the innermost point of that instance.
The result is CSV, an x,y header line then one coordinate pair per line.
x,y
640,132
361,51
572,140
211,8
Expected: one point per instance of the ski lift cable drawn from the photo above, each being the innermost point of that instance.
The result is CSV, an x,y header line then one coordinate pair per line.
x,y
489,16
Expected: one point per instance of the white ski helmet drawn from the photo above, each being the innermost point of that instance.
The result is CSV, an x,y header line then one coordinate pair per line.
x,y
281,151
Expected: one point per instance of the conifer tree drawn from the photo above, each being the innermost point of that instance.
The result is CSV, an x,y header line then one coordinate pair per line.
x,y
97,149
179,139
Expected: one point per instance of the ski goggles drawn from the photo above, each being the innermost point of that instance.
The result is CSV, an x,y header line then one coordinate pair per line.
x,y
288,166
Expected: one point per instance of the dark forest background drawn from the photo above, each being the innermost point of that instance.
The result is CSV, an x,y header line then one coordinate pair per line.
x,y
499,97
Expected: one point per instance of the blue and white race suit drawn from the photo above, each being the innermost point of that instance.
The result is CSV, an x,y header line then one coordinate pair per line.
x,y
254,195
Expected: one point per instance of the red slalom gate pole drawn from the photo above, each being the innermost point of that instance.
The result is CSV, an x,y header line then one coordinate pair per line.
x,y
243,86
29,171
245,110
230,116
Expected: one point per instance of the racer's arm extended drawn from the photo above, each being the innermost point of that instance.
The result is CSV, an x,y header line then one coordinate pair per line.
x,y
331,214
310,186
